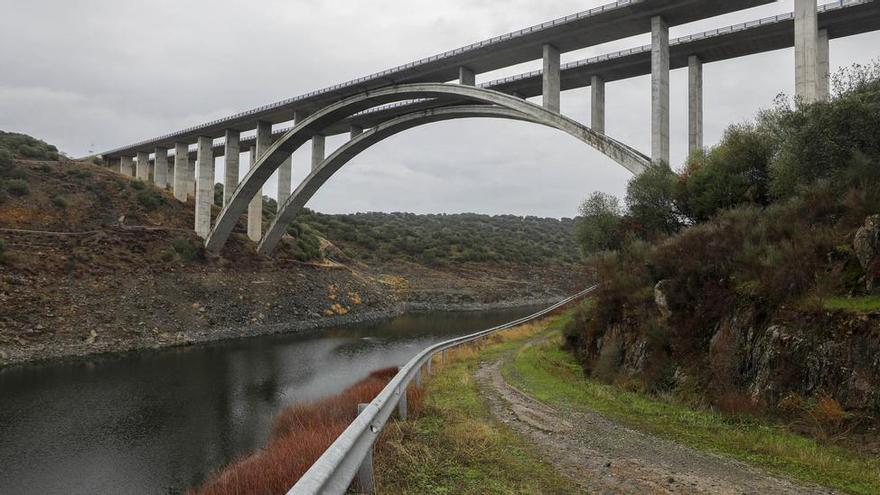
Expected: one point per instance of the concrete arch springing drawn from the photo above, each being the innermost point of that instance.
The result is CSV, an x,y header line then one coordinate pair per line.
x,y
624,155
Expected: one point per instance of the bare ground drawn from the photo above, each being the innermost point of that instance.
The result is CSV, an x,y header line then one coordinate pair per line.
x,y
604,457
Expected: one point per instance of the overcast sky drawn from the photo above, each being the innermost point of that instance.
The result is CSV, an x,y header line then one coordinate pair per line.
x,y
92,75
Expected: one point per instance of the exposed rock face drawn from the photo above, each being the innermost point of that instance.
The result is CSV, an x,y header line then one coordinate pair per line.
x,y
867,248
660,298
807,353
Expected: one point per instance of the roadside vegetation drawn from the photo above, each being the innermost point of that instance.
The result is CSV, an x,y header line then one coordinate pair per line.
x,y
553,376
748,280
456,445
299,437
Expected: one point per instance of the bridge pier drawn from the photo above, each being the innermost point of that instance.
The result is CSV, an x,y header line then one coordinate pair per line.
x,y
466,76
695,103
806,50
181,165
255,208
551,84
597,104
232,156
191,178
143,166
318,150
823,65
204,185
160,168
659,90
125,165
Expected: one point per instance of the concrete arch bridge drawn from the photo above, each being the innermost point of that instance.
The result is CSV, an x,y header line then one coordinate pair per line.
x,y
443,87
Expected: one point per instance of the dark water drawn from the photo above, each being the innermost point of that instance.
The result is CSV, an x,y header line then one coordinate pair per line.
x,y
161,421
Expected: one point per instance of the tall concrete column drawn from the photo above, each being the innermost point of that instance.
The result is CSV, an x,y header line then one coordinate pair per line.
x,y
659,90
466,77
204,185
356,131
806,50
551,86
695,103
160,170
232,155
597,104
823,65
143,166
181,169
284,173
191,177
318,150
125,166
255,209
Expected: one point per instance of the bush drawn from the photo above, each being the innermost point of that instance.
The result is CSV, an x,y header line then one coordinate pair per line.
x,y
27,147
150,200
5,160
59,202
2,250
187,251
138,185
18,187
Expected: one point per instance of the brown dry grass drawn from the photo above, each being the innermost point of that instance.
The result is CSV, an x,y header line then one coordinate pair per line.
x,y
300,435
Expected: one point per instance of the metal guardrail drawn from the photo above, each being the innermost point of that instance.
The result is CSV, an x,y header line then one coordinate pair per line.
x,y
335,470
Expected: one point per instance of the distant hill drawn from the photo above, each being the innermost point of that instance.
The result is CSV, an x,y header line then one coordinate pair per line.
x,y
446,238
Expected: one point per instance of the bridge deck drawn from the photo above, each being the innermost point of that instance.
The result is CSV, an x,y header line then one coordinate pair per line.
x,y
609,22
841,19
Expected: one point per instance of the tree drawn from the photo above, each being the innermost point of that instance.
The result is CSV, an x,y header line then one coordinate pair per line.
x,y
733,173
650,198
598,227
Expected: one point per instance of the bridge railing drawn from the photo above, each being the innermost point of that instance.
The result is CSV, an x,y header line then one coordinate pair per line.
x,y
335,470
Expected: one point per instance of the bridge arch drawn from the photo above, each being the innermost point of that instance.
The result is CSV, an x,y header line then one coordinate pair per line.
x,y
294,204
269,161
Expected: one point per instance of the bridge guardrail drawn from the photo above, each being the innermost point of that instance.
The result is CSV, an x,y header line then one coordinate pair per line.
x,y
335,470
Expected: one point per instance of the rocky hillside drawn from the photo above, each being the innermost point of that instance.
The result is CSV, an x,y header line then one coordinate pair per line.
x,y
91,261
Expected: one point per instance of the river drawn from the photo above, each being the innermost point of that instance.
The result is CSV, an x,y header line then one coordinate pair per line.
x,y
162,421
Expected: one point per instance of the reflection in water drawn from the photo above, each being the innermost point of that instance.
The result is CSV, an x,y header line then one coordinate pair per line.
x,y
161,421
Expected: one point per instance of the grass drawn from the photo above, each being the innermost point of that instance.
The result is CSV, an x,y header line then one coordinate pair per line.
x,y
553,376
853,304
456,446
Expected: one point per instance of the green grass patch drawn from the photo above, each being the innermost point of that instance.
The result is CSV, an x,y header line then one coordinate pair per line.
x,y
854,304
457,447
553,376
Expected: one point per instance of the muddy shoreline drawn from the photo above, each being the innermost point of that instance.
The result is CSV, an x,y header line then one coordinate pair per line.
x,y
201,336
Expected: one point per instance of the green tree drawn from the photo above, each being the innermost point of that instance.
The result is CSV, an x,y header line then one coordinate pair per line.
x,y
650,198
598,227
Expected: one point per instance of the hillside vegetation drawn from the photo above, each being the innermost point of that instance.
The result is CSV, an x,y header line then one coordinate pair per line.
x,y
727,284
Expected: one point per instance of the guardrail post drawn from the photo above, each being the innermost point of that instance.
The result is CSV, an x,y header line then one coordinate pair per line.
x,y
401,403
365,471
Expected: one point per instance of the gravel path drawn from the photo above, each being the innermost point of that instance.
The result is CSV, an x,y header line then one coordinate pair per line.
x,y
604,457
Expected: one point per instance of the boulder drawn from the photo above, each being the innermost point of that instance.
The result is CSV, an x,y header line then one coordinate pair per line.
x,y
866,245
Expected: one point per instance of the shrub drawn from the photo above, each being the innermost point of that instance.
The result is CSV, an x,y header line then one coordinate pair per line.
x,y
5,160
59,202
2,251
187,251
18,187
149,200
138,185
